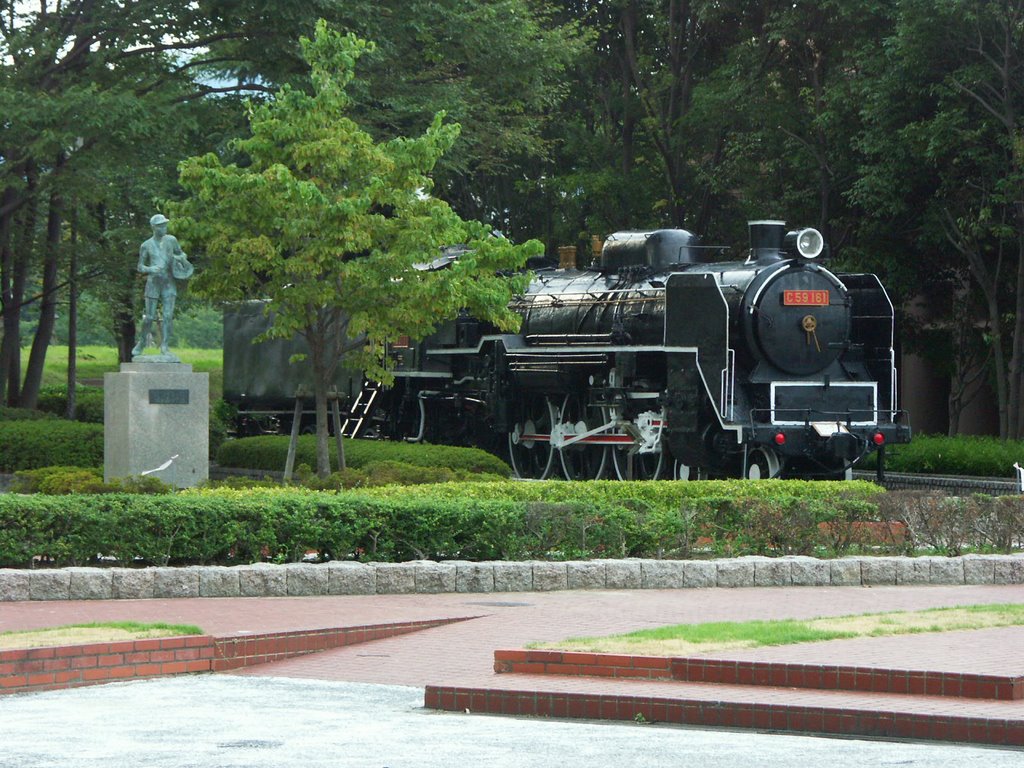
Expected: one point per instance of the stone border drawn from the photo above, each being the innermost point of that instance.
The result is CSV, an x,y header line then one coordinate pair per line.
x,y
428,577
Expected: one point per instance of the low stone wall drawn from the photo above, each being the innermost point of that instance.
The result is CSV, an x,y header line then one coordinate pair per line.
x,y
428,577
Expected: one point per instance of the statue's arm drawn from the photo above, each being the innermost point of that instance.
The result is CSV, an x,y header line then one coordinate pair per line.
x,y
142,266
176,247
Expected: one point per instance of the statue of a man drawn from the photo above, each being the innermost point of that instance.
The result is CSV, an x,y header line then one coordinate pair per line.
x,y
162,259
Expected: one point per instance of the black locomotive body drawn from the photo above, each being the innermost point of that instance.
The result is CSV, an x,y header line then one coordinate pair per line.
x,y
668,361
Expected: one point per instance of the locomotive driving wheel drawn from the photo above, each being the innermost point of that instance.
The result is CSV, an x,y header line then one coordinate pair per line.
x,y
762,463
580,461
529,442
646,466
682,471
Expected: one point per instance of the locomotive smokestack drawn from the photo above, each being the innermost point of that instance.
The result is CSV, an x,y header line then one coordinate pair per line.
x,y
766,239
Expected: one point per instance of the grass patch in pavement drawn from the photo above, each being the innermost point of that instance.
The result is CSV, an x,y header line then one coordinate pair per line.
x,y
696,639
96,632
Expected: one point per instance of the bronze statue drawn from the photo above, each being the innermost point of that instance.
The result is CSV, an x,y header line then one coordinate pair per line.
x,y
162,260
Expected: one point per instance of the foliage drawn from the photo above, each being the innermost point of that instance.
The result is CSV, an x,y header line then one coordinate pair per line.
x,y
268,452
501,69
412,522
390,472
93,362
329,225
22,414
951,524
100,102
975,456
58,481
469,521
34,444
88,403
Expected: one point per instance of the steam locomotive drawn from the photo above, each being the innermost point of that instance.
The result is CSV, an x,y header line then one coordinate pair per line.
x,y
666,360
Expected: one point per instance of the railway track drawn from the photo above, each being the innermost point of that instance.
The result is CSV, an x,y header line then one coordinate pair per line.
x,y
956,485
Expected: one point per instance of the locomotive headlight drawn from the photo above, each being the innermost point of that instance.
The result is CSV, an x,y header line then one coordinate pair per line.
x,y
805,243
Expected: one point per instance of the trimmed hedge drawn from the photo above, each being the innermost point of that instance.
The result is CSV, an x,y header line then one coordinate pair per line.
x,y
474,521
974,456
88,403
22,414
269,452
65,480
49,442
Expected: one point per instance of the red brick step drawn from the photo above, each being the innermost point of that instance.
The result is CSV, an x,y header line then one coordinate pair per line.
x,y
764,673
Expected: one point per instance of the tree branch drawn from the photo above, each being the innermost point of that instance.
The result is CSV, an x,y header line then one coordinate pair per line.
x,y
182,45
206,91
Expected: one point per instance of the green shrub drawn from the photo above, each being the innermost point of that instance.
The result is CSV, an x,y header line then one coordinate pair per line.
x,y
269,452
222,415
474,521
44,443
88,403
61,480
22,414
974,456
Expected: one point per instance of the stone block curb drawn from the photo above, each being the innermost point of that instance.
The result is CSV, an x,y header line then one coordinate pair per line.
x,y
429,577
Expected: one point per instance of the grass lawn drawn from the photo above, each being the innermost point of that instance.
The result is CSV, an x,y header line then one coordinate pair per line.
x,y
92,362
99,632
691,639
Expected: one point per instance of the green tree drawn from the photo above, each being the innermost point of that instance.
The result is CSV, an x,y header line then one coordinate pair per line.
x,y
99,99
329,225
945,174
499,68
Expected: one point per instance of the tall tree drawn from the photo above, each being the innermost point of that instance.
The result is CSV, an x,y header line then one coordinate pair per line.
x,y
946,168
95,89
499,68
329,226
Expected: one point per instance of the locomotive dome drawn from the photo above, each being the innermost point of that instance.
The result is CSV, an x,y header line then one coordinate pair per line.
x,y
660,248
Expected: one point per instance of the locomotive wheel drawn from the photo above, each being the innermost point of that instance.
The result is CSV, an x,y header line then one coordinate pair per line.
x,y
684,472
646,466
532,459
762,463
580,462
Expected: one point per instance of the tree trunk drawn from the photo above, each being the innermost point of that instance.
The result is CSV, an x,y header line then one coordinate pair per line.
x,y
6,281
72,403
48,306
12,310
1015,416
321,376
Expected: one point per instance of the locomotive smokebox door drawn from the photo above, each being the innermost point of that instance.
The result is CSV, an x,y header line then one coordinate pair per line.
x,y
798,320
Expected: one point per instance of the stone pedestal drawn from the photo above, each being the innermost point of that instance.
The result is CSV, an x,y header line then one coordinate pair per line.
x,y
153,411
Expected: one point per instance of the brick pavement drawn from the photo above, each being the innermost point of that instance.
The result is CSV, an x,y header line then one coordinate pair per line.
x,y
457,659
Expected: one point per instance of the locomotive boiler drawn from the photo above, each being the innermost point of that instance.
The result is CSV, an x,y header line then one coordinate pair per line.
x,y
667,360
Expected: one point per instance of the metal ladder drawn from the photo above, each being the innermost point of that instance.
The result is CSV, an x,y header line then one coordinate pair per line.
x,y
361,408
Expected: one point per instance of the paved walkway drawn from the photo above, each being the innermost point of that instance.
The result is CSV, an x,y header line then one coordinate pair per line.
x,y
460,655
